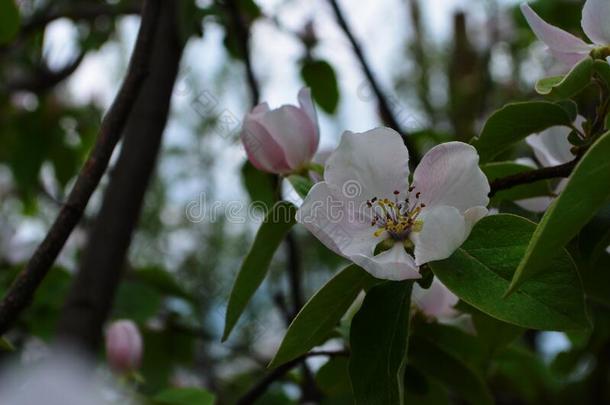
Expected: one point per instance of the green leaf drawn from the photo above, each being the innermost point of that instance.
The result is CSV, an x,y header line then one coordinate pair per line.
x,y
137,301
602,69
321,78
321,314
585,193
494,334
562,87
498,170
184,396
9,20
260,185
6,345
514,122
254,268
480,271
163,281
301,184
450,371
379,339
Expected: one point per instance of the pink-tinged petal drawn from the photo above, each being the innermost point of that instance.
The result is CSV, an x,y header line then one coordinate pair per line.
x,y
337,222
296,134
449,174
393,264
262,149
444,230
555,38
306,104
260,109
124,346
595,17
369,164
569,58
436,302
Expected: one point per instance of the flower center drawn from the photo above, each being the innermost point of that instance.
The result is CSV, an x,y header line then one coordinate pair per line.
x,y
398,218
601,52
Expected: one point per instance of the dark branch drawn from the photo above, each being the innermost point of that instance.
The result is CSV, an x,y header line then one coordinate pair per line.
x,y
243,41
532,176
101,268
78,12
261,387
44,78
384,106
23,288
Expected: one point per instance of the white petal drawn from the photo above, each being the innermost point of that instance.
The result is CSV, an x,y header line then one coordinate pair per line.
x,y
595,17
444,230
393,264
449,174
437,301
555,38
369,164
535,204
552,147
474,215
336,222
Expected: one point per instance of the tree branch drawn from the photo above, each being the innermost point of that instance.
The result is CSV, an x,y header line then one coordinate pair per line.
x,y
93,289
532,176
384,106
243,41
261,387
23,288
44,78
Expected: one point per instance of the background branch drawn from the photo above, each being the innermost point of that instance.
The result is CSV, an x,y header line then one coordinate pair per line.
x,y
385,109
92,293
261,387
22,290
532,176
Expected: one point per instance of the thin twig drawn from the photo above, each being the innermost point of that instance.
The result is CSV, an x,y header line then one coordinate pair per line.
x,y
243,42
23,288
384,106
532,176
259,389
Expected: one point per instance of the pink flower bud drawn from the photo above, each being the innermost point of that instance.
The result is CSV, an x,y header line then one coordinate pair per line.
x,y
283,140
123,346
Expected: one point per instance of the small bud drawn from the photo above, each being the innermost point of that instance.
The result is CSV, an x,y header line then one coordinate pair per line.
x,y
124,346
283,140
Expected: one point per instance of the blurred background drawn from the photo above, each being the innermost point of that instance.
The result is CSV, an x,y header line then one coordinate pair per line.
x,y
443,65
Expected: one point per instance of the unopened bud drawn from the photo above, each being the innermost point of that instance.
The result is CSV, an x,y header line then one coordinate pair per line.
x,y
124,346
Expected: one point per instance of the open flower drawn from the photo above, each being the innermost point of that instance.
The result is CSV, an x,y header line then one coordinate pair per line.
x,y
551,148
282,140
567,47
366,211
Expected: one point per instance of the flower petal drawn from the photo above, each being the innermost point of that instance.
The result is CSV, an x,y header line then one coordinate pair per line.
x,y
444,230
306,103
293,131
262,150
393,264
569,58
369,164
449,174
595,17
552,147
555,38
336,222
437,301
